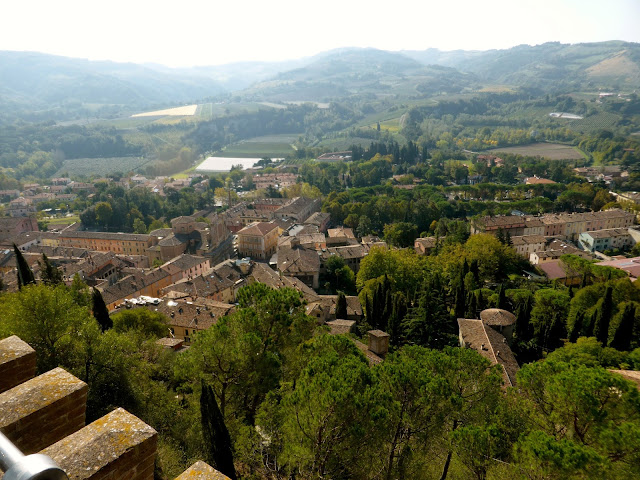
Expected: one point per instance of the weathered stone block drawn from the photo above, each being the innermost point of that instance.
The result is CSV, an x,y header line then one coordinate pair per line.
x,y
17,362
201,471
41,411
118,446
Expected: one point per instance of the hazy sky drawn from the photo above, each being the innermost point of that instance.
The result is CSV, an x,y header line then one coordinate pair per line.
x,y
190,32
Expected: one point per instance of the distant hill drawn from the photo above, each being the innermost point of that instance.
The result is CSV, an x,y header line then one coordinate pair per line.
x,y
40,87
356,71
38,80
548,66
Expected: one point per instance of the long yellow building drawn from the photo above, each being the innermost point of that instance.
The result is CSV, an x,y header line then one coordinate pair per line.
x,y
122,243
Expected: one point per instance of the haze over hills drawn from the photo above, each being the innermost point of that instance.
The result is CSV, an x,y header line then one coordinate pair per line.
x,y
41,80
35,81
548,65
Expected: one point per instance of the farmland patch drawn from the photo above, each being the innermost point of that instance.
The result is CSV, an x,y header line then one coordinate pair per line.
x,y
551,151
86,167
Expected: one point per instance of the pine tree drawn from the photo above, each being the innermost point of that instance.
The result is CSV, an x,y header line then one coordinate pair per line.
x,y
25,274
624,332
603,319
216,436
100,311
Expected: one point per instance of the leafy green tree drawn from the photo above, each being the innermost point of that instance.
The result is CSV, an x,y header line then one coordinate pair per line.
x,y
245,355
141,320
401,234
156,224
404,268
581,426
79,291
104,213
339,275
46,318
25,274
216,436
326,414
139,226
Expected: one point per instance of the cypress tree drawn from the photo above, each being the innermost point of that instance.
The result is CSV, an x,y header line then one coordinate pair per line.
x,y
100,311
589,321
473,268
523,317
341,306
603,319
49,273
25,274
584,281
578,324
472,305
216,436
502,299
398,313
387,304
622,337
368,313
376,306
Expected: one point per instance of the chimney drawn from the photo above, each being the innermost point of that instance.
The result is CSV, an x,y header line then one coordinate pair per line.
x,y
378,342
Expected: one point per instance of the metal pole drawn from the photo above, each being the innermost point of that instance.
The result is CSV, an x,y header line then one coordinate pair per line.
x,y
31,467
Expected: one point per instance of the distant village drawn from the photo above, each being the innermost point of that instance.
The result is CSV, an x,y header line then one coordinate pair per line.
x,y
202,260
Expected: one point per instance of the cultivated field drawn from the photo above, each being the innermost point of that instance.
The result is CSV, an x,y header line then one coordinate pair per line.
x,y
267,146
551,151
86,167
596,122
184,111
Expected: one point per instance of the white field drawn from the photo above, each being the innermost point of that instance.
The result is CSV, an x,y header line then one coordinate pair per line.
x,y
185,111
224,164
570,116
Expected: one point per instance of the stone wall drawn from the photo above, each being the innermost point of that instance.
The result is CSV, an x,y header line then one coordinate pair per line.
x,y
17,362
